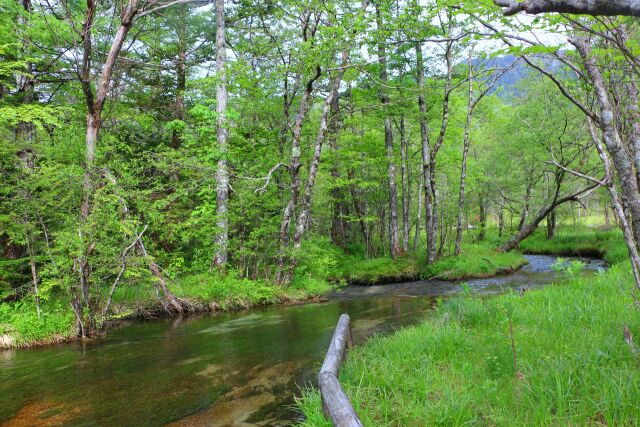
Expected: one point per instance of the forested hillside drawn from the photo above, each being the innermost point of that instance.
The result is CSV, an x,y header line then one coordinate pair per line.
x,y
181,155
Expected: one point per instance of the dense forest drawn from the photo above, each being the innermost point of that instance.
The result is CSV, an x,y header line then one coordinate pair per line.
x,y
156,153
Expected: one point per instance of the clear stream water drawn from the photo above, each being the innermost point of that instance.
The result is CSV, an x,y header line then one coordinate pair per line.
x,y
232,369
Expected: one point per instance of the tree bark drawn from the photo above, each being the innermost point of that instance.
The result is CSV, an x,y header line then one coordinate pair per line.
x,y
426,159
181,82
404,172
463,167
582,7
394,244
294,171
416,236
612,140
338,225
483,219
551,225
221,239
360,209
618,207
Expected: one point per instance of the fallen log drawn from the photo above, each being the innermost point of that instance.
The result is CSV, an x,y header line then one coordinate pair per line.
x,y
335,403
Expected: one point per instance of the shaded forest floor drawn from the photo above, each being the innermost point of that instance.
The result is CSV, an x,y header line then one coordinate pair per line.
x,y
322,268
554,356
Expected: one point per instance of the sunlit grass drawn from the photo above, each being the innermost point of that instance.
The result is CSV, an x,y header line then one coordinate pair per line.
x,y
571,365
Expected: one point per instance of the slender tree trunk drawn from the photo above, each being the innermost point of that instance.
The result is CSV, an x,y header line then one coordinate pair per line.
x,y
305,204
633,122
551,224
618,206
360,209
81,298
463,167
394,244
175,304
426,159
404,171
181,81
338,226
433,226
525,208
221,238
294,171
416,237
483,219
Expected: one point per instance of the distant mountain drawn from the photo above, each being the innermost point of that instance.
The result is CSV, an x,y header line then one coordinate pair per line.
x,y
510,84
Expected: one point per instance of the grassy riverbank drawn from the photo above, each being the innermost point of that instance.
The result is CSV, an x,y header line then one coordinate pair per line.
x,y
554,356
476,260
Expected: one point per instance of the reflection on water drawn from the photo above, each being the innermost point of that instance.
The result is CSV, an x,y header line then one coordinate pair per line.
x,y
227,369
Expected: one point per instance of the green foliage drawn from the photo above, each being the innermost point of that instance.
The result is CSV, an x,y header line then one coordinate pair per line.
x,y
318,259
20,324
570,267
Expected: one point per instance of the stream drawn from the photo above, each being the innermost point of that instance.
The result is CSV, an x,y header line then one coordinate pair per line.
x,y
224,369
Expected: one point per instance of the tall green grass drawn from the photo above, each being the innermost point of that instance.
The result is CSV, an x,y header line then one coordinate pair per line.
x,y
476,260
580,241
571,365
21,326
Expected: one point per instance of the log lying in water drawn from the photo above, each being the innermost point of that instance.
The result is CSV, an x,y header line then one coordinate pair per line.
x,y
335,403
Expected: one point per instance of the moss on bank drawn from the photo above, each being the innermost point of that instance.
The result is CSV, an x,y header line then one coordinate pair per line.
x,y
571,365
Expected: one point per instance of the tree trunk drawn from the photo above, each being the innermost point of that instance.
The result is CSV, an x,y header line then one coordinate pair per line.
x,y
618,207
404,171
81,298
416,237
294,171
483,220
463,167
433,225
551,225
162,283
221,238
305,204
181,81
426,159
612,140
591,7
394,244
338,225
360,209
